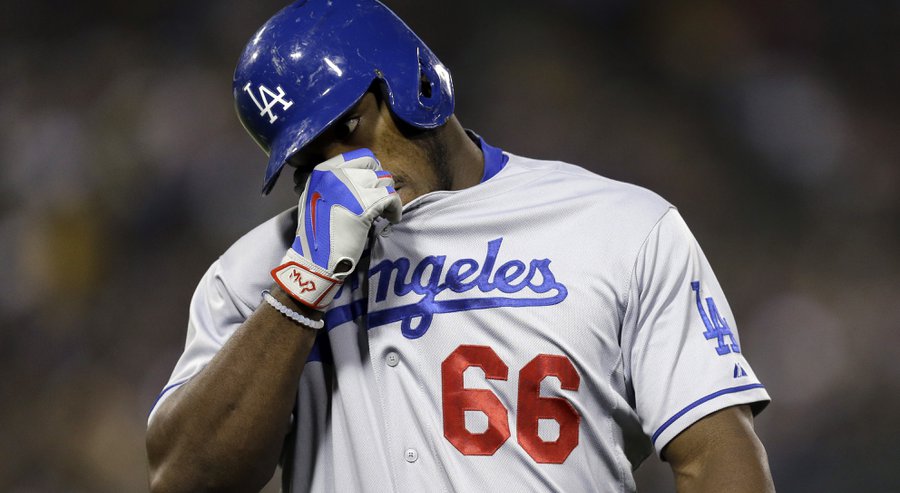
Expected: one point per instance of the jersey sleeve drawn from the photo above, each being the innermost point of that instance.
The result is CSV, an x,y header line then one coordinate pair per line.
x,y
215,313
679,338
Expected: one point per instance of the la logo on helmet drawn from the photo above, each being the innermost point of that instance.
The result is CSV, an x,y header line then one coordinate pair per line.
x,y
269,100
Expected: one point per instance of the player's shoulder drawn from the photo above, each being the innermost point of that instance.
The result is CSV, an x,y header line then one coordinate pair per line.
x,y
610,198
264,244
246,263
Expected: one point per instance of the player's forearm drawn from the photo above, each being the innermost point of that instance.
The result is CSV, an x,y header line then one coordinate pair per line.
x,y
744,471
721,453
223,430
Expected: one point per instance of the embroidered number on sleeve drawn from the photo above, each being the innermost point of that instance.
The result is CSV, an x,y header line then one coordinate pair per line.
x,y
531,406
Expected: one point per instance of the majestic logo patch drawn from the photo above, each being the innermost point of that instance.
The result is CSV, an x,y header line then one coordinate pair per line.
x,y
438,285
716,327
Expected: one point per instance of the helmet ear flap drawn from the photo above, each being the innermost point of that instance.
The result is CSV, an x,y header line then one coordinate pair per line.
x,y
434,85
426,84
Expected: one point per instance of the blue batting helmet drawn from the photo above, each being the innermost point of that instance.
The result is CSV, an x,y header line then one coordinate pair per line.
x,y
315,59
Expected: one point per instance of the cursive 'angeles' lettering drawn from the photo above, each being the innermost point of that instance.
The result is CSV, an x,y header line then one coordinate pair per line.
x,y
432,277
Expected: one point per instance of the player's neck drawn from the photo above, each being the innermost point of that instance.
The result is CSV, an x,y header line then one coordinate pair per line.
x,y
465,160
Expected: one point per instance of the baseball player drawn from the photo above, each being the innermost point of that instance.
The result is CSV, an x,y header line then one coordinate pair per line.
x,y
437,314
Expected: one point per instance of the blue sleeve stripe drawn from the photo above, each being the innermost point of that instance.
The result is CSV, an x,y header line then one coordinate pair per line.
x,y
170,387
700,401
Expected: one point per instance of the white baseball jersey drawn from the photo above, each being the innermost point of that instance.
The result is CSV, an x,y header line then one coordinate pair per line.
x,y
544,330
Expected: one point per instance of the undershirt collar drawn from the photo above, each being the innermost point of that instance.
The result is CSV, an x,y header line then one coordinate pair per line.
x,y
494,158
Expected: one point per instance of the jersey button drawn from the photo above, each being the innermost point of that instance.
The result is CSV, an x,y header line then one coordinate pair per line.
x,y
393,359
411,455
386,231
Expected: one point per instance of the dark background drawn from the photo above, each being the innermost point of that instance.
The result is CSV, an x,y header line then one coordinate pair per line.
x,y
771,125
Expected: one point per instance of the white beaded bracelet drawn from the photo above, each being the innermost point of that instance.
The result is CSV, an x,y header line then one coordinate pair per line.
x,y
291,314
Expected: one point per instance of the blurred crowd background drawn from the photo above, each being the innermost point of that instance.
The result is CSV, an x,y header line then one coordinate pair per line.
x,y
772,125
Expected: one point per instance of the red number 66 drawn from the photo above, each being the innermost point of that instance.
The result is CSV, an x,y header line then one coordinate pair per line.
x,y
531,406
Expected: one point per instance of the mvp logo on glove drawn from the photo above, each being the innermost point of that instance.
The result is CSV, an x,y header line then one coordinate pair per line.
x,y
304,285
301,282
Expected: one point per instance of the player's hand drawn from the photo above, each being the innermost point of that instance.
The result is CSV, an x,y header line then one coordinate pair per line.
x,y
341,200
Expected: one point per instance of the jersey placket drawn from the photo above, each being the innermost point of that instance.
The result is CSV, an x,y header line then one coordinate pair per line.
x,y
394,367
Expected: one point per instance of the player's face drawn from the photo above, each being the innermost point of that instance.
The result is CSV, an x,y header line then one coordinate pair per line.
x,y
417,163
